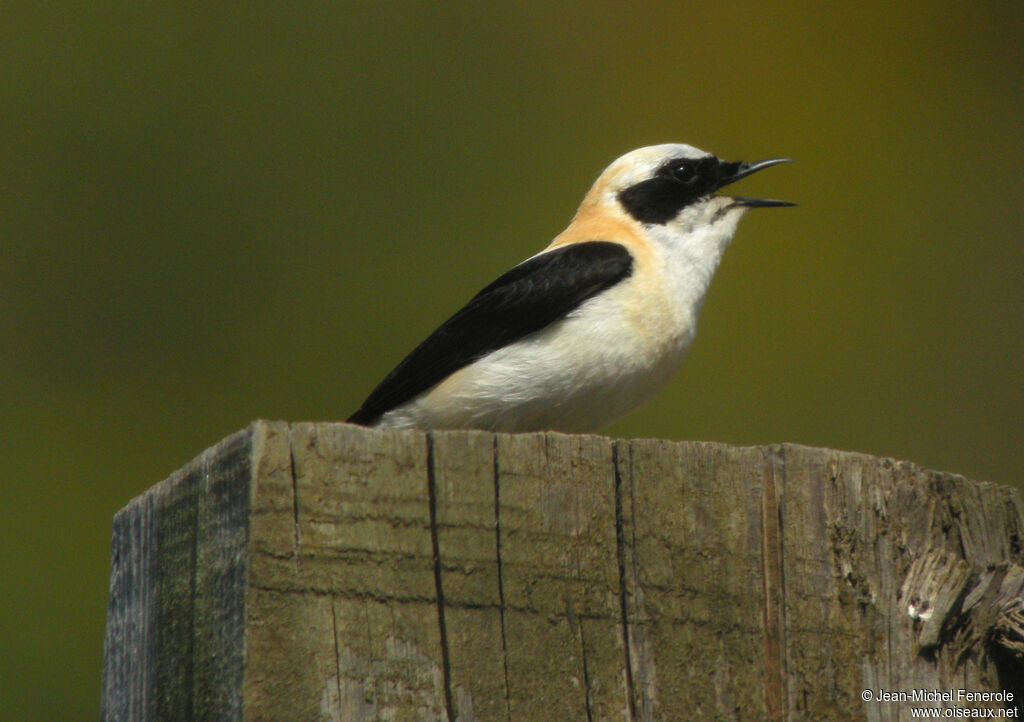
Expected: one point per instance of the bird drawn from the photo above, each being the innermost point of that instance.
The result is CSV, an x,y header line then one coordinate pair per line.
x,y
593,325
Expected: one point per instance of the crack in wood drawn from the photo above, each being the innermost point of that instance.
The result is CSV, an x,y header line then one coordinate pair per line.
x,y
501,583
773,585
586,671
297,545
364,595
432,503
337,651
620,548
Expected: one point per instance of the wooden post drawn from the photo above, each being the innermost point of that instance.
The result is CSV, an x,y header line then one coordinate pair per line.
x,y
331,572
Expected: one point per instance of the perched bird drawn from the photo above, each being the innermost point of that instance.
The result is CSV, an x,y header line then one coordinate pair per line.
x,y
593,325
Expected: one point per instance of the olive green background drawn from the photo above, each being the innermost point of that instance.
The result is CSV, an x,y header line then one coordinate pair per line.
x,y
215,212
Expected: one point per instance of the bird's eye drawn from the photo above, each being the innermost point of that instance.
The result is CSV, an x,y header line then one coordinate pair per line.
x,y
684,172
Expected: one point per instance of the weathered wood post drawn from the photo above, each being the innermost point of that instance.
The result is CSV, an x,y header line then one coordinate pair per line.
x,y
326,571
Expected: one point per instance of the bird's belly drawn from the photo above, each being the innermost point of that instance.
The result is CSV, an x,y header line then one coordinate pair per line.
x,y
575,375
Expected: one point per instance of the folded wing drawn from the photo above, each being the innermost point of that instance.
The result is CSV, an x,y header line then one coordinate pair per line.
x,y
524,300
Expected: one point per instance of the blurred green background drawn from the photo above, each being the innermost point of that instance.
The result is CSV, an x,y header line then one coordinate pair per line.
x,y
214,212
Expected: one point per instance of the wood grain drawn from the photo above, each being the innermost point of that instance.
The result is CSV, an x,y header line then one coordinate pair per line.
x,y
328,571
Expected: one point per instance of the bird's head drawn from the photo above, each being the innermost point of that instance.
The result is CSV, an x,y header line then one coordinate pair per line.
x,y
674,188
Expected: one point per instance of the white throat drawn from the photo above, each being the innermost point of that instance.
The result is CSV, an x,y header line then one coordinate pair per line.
x,y
692,250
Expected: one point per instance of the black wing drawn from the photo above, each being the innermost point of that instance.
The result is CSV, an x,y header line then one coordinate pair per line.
x,y
527,298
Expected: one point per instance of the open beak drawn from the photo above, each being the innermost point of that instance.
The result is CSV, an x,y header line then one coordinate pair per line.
x,y
732,172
